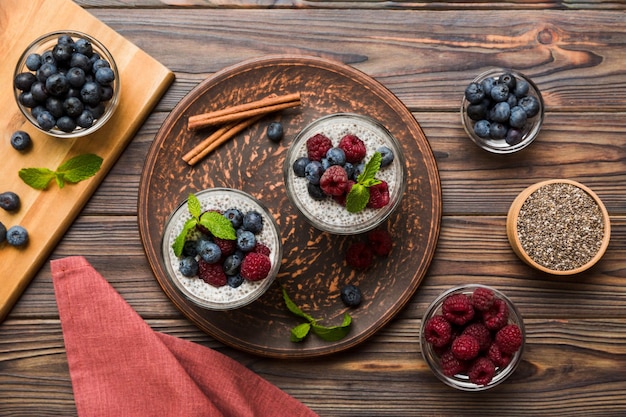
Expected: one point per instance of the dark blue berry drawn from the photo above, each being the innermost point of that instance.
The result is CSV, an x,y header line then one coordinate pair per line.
x,y
315,191
45,71
232,263
210,252
508,79
313,172
57,84
530,105
500,112
521,88
253,221
275,131
33,61
188,266
387,156
82,62
27,100
299,165
478,111
497,130
66,124
17,236
106,92
488,84
21,140
3,232
105,76
351,295
55,106
76,77
23,81
475,93
9,201
38,90
499,92
85,120
84,46
235,216
349,169
514,136
62,52
190,248
246,241
482,128
234,281
358,170
73,107
99,63
518,117
90,93
46,121
96,110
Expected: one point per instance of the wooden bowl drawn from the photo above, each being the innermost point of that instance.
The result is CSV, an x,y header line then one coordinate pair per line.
x,y
518,247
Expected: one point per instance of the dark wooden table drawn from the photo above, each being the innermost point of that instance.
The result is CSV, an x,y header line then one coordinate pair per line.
x,y
425,53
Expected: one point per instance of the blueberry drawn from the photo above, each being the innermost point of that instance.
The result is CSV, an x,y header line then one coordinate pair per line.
x,y
47,58
3,232
37,110
46,121
497,130
38,90
90,93
313,172
518,117
474,93
358,170
73,107
96,110
500,112
76,77
57,84
387,156
21,140
275,131
24,80
512,100
46,70
232,263
521,88
336,156
351,295
235,216
55,106
106,92
315,191
190,248
349,169
488,84
188,266
66,124
82,62
17,236
478,111
210,252
84,46
234,281
85,120
65,39
246,241
499,92
99,63
481,128
253,221
33,61
62,52
299,165
513,136
9,201
530,105
27,100
325,164
105,76
509,80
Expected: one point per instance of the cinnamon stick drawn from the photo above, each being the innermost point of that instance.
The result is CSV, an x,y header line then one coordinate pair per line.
x,y
243,111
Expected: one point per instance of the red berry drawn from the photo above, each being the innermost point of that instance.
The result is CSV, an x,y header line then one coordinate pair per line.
x,y
457,309
438,331
359,255
261,248
212,274
481,372
497,316
379,195
482,298
334,181
227,247
451,365
499,358
353,147
255,266
481,333
317,146
381,242
509,338
465,347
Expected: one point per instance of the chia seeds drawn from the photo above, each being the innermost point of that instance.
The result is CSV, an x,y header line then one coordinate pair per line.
x,y
560,226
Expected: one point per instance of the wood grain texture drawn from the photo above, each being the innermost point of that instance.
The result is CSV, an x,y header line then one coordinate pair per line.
x,y
574,363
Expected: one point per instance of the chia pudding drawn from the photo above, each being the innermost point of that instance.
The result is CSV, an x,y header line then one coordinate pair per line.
x,y
327,214
194,288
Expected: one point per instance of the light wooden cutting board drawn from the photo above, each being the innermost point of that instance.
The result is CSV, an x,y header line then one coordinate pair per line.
x,y
48,214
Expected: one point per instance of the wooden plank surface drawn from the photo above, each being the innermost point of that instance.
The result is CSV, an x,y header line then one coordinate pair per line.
x,y
47,214
574,363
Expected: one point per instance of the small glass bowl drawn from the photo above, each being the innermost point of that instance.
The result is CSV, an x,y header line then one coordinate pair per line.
x,y
46,43
194,288
328,215
528,133
461,380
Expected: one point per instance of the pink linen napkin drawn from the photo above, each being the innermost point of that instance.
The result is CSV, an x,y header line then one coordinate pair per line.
x,y
120,367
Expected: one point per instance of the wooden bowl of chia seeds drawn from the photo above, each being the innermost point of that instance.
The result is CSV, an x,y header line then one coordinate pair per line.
x,y
558,226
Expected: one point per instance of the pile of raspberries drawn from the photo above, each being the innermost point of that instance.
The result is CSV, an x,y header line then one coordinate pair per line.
x,y
331,171
472,335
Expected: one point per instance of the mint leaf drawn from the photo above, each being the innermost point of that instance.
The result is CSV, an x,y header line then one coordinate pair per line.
x,y
299,332
333,333
291,306
38,178
359,194
218,225
357,198
179,242
194,207
371,168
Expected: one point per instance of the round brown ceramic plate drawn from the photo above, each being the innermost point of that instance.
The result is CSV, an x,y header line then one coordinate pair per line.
x,y
313,268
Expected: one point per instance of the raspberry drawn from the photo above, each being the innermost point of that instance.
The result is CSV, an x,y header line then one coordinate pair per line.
x,y
261,248
457,309
359,255
465,347
381,242
499,358
226,246
497,316
450,365
482,299
481,333
212,274
317,146
379,195
353,147
438,331
334,181
509,338
255,266
481,372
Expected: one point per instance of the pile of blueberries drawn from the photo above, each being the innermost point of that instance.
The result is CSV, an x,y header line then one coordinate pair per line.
x,y
501,107
67,86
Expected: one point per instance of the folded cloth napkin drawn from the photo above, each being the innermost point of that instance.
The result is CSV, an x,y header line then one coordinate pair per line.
x,y
120,367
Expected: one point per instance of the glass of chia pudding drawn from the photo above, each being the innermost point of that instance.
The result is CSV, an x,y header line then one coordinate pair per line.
x,y
237,273
326,163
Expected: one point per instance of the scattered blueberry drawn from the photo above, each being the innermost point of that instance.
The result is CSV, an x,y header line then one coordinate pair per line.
x,y
232,263
336,156
497,130
478,111
253,221
21,140
299,166
188,266
33,62
3,232
521,88
315,191
499,92
518,117
509,80
275,131
9,201
513,136
234,281
235,216
351,295
190,248
246,241
387,156
210,252
474,93
530,105
17,236
313,172
482,128
500,112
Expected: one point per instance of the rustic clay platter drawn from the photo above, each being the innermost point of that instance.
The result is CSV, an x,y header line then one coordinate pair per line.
x,y
313,269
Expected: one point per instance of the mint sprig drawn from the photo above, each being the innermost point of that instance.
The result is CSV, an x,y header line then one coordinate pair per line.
x,y
76,169
327,333
359,194
214,222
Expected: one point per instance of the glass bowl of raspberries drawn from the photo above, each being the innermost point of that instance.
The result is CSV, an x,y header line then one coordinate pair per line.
x,y
66,84
345,173
502,111
472,337
221,248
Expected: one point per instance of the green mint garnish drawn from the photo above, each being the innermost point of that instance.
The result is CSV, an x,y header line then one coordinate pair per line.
x,y
74,170
327,333
213,221
359,195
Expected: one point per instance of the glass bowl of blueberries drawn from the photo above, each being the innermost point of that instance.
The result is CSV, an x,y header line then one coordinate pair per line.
x,y
472,337
502,111
66,84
